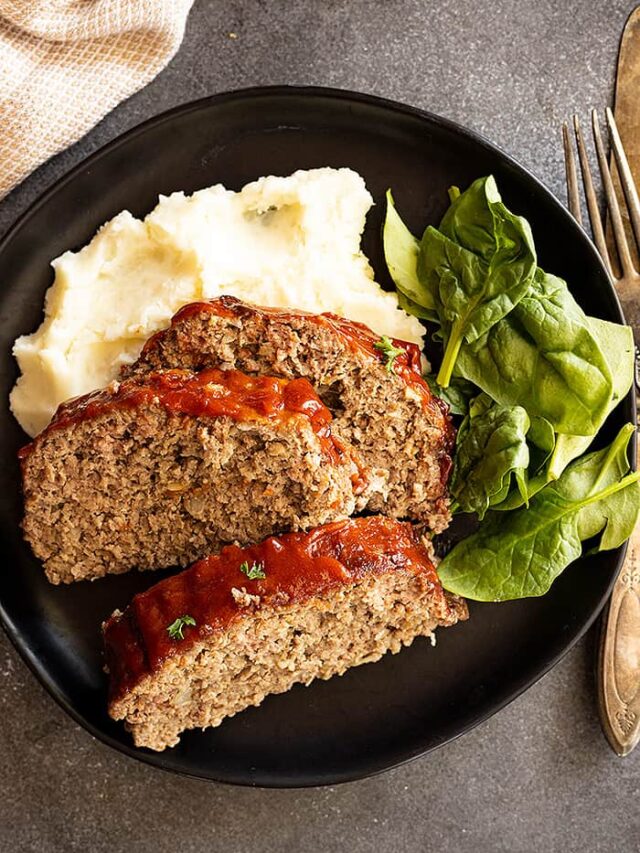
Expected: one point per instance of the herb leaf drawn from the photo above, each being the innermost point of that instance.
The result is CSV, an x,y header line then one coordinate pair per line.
x,y
491,450
175,629
520,554
256,572
477,266
386,347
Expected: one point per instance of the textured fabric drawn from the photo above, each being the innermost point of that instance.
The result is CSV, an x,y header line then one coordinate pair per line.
x,y
65,63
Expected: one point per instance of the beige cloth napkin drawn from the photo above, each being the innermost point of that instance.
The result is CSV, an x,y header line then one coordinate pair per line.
x,y
65,63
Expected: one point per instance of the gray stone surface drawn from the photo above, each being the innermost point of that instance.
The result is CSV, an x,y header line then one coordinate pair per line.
x,y
537,776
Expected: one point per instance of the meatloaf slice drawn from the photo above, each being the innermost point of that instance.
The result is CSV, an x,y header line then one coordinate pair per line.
x,y
160,470
380,403
213,640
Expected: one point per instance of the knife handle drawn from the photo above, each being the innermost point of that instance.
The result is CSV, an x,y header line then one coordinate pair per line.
x,y
619,657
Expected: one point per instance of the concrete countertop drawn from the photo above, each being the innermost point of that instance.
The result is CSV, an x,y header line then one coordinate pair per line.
x,y
539,775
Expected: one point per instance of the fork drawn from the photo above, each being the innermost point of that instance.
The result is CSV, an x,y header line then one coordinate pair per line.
x,y
618,667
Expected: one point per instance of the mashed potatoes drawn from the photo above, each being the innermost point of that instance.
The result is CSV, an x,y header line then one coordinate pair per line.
x,y
282,242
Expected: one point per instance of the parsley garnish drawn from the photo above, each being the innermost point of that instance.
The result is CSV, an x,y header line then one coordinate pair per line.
x,y
386,347
256,572
175,629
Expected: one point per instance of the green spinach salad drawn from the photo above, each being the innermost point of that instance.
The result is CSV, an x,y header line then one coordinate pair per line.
x,y
533,379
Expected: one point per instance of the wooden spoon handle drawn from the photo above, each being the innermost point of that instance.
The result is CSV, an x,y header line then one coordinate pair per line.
x,y
619,658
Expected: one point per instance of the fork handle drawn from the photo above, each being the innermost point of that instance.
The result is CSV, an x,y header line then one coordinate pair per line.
x,y
619,657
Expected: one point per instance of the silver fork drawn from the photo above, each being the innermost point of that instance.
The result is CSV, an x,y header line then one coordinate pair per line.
x,y
618,671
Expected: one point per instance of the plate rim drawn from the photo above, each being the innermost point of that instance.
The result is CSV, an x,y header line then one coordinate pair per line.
x,y
270,780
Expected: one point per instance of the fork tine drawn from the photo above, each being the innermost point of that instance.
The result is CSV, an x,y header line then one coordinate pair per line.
x,y
592,201
612,201
626,178
573,195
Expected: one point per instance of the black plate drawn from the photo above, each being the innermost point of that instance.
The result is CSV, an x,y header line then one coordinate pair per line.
x,y
375,716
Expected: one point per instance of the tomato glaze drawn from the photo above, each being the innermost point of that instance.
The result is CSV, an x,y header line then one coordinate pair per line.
x,y
407,365
210,393
297,567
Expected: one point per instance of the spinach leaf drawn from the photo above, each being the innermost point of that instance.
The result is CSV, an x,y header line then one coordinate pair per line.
x,y
544,356
542,441
591,474
520,554
616,343
477,266
413,308
541,434
491,451
515,500
617,346
457,395
401,250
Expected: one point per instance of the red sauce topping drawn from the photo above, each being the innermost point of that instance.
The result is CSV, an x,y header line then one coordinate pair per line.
x,y
211,393
297,567
406,365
